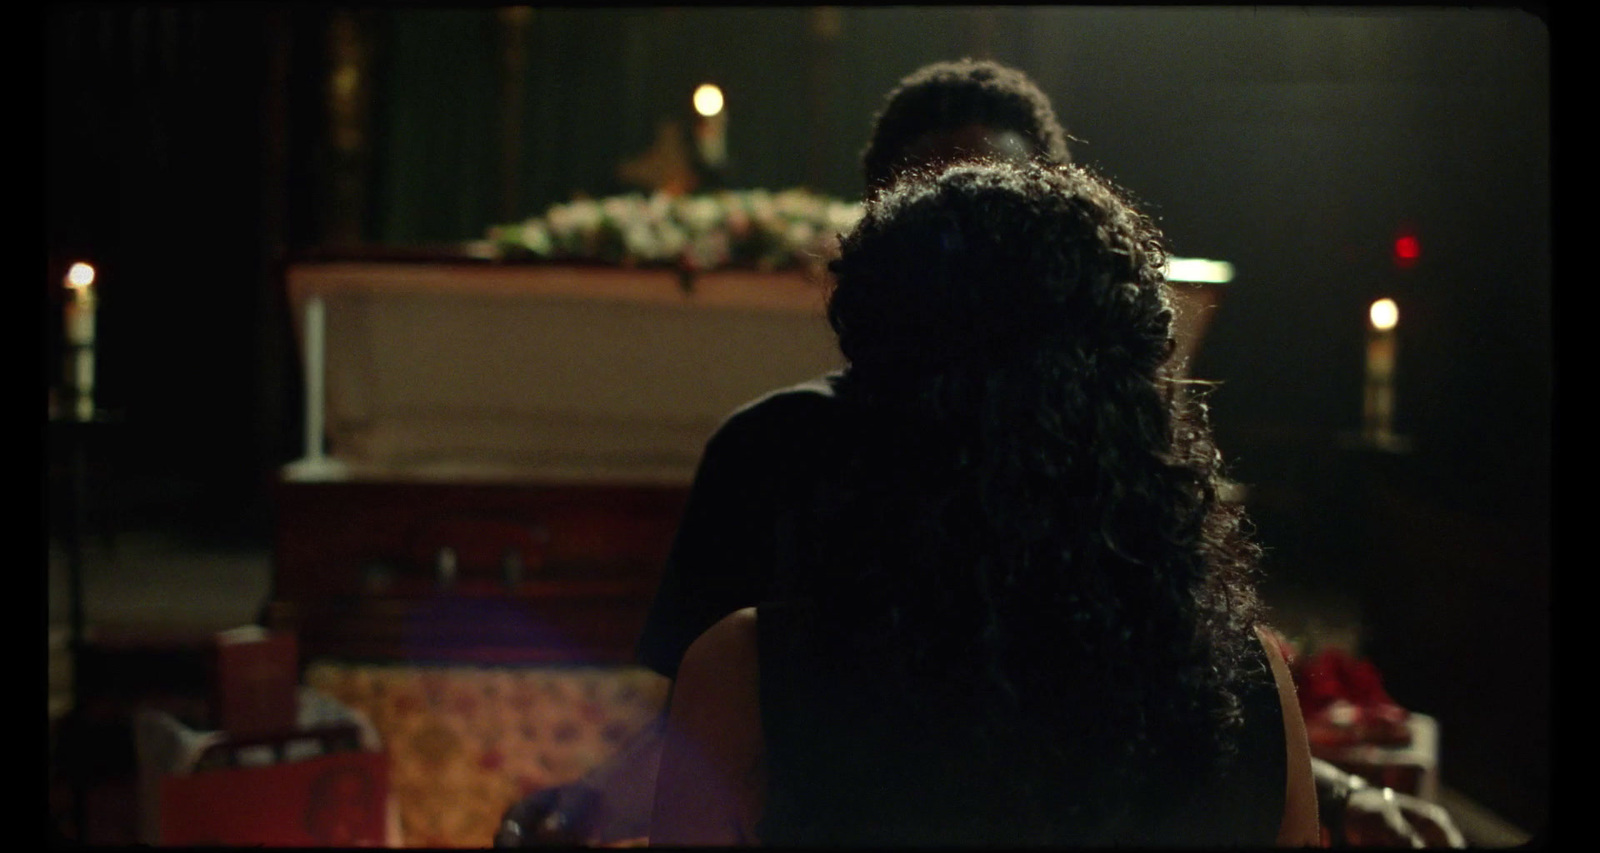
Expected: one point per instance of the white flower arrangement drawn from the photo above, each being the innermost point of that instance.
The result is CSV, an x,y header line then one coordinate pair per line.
x,y
745,228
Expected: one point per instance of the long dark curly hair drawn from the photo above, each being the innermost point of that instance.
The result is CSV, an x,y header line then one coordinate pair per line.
x,y
1023,562
948,95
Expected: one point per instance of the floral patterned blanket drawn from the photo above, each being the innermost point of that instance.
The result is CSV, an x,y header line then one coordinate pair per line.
x,y
465,742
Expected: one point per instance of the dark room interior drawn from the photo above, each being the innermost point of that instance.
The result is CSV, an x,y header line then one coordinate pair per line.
x,y
328,348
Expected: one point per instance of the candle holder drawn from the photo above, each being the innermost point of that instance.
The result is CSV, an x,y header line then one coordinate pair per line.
x,y
316,464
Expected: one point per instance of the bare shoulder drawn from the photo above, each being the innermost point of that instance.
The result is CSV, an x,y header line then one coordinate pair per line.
x,y
730,636
708,789
1299,827
731,642
1278,662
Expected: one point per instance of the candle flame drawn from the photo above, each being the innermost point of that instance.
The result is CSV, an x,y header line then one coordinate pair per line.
x,y
80,275
1384,314
708,100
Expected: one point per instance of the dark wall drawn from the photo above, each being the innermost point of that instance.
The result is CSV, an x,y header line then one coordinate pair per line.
x,y
163,170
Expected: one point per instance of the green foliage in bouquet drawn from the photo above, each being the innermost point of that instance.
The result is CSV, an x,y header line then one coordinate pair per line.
x,y
751,229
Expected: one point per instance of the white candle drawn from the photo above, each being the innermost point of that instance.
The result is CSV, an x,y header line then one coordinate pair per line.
x,y
713,129
1379,398
80,308
83,384
315,356
79,319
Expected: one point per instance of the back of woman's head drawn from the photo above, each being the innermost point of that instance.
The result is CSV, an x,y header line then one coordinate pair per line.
x,y
982,261
946,96
1027,511
1006,327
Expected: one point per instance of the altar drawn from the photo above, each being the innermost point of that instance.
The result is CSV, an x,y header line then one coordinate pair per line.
x,y
507,371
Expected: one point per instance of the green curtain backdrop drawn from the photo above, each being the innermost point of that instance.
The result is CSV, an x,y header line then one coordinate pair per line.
x,y
595,83
436,114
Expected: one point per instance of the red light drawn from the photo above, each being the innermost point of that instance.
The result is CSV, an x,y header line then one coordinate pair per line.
x,y
1407,250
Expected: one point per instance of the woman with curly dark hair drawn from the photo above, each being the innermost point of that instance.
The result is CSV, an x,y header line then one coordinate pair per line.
x,y
1019,613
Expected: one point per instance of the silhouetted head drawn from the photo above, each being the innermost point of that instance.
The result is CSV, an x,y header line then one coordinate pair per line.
x,y
949,111
976,260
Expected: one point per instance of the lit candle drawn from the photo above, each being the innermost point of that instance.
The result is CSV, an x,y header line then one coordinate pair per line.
x,y
80,310
713,127
79,318
1378,408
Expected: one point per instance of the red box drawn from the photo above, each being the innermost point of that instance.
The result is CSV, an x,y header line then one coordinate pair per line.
x,y
337,800
255,681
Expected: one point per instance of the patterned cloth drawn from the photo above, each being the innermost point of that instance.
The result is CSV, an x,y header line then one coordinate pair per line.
x,y
466,742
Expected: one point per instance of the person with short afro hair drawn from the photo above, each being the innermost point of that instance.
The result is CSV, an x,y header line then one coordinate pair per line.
x,y
973,107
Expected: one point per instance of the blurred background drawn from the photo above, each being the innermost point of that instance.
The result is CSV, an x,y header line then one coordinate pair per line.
x,y
1334,157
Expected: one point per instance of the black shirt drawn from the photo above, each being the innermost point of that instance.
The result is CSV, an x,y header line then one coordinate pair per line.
x,y
756,470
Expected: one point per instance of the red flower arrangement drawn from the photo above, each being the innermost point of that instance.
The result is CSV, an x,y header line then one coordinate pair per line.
x,y
1344,703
